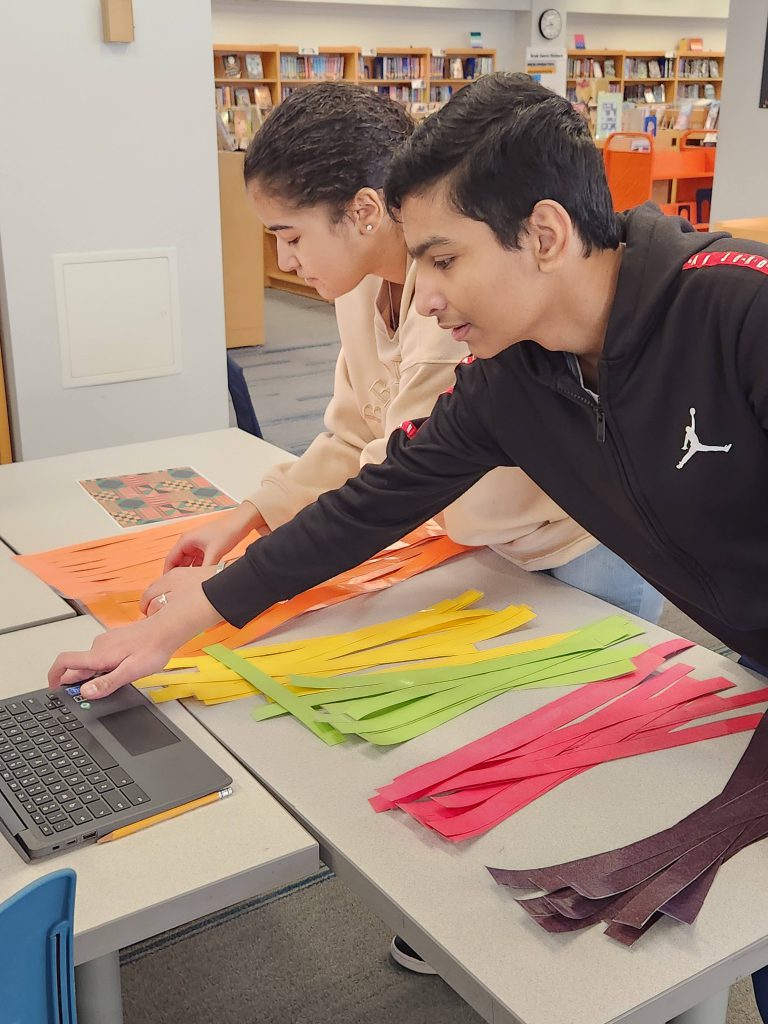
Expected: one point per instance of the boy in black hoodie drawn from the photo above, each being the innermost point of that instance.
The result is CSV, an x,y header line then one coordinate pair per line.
x,y
620,361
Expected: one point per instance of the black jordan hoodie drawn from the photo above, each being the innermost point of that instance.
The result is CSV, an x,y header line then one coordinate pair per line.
x,y
669,468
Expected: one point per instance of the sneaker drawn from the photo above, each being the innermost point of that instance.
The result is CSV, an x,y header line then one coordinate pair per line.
x,y
408,958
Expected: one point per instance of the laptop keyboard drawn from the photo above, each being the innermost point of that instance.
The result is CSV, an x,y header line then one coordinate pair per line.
x,y
56,770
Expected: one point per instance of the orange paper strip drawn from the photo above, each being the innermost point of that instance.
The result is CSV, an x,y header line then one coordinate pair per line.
x,y
109,576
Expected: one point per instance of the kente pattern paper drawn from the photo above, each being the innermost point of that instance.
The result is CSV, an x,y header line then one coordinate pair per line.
x,y
141,498
396,705
469,791
108,577
665,875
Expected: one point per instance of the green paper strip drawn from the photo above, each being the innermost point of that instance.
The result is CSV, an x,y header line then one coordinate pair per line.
x,y
435,703
278,693
407,732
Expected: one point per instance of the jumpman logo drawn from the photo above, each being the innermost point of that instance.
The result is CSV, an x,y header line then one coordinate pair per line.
x,y
692,444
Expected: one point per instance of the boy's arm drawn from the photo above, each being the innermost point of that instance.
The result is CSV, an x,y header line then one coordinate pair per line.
x,y
423,473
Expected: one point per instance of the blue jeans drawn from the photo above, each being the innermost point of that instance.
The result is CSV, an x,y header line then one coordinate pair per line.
x,y
603,574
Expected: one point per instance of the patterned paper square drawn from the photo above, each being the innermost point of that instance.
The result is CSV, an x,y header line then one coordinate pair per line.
x,y
142,498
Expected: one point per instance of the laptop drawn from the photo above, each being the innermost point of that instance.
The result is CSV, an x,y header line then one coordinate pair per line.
x,y
73,770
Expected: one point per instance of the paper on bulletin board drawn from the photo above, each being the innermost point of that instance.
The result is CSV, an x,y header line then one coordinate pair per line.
x,y
547,65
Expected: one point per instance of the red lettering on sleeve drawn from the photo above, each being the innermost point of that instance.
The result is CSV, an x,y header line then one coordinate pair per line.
x,y
728,259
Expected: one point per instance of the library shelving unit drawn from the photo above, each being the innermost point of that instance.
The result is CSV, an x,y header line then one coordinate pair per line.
x,y
267,57
402,73
330,64
694,70
581,64
639,76
673,75
452,69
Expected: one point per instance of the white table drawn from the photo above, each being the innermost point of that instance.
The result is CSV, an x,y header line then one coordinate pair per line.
x,y
42,506
24,599
164,876
439,896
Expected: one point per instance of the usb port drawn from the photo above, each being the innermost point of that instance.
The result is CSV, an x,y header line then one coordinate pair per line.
x,y
90,835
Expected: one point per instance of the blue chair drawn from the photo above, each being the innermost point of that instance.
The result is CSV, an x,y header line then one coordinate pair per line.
x,y
37,967
241,398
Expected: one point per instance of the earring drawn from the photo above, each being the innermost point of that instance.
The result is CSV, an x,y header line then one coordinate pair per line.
x,y
369,227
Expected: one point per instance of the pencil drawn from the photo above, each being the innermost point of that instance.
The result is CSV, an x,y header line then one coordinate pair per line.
x,y
174,812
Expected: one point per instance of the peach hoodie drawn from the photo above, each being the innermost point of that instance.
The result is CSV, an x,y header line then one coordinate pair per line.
x,y
383,379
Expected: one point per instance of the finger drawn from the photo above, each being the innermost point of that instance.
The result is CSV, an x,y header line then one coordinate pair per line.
x,y
172,558
73,676
182,553
153,591
102,686
155,605
213,555
88,660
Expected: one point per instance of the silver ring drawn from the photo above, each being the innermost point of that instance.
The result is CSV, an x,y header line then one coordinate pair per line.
x,y
162,599
220,567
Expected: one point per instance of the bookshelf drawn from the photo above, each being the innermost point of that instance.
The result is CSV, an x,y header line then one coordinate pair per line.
x,y
266,75
452,69
584,63
672,76
402,73
697,69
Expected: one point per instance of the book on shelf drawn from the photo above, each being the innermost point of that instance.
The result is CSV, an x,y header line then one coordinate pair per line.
x,y
253,65
224,141
645,93
457,67
224,96
399,67
400,93
713,115
240,124
242,98
683,119
231,64
699,68
638,67
609,67
322,67
440,93
437,67
262,97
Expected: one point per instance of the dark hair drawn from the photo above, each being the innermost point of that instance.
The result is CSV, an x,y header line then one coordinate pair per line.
x,y
325,142
501,145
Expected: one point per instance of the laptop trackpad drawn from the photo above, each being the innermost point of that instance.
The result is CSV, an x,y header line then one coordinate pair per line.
x,y
138,730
